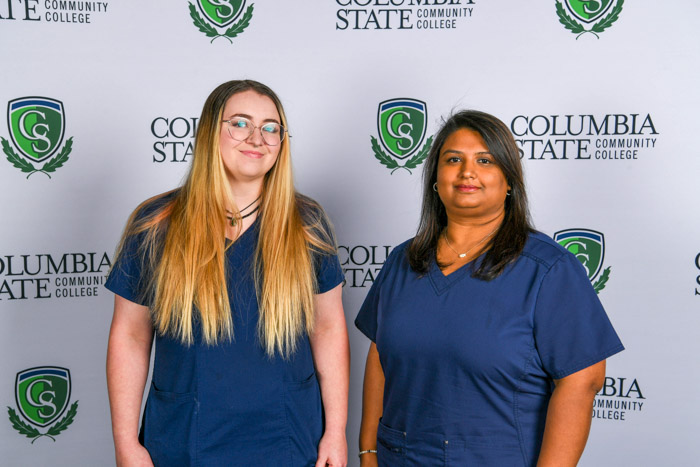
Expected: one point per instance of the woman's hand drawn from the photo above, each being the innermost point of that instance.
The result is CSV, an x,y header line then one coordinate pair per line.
x,y
369,460
133,456
333,450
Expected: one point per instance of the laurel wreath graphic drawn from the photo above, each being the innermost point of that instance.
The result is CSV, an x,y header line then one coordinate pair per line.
x,y
25,166
600,283
210,31
391,163
576,28
31,432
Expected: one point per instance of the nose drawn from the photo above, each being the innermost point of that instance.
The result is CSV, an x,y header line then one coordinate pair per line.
x,y
255,137
468,168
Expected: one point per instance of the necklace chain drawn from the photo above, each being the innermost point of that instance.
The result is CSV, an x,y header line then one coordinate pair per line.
x,y
233,221
462,255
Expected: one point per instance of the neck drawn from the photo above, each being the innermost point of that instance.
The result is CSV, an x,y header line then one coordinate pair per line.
x,y
245,193
465,228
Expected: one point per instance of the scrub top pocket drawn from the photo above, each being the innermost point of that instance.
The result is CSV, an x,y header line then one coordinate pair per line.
x,y
455,453
476,454
302,401
391,446
170,423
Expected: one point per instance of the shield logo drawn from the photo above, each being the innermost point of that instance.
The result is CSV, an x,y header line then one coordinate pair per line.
x,y
402,125
36,126
221,13
42,393
587,245
588,11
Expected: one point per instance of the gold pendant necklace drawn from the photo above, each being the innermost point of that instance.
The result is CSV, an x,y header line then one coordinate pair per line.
x,y
463,255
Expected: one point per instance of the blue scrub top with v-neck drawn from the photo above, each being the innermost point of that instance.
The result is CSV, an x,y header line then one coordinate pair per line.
x,y
230,404
469,364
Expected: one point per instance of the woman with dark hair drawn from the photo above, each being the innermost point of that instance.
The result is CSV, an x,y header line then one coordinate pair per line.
x,y
488,340
235,276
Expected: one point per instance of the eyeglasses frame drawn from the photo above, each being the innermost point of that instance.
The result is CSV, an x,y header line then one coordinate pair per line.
x,y
283,130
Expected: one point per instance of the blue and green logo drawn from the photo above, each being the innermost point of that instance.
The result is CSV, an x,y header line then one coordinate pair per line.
x,y
36,126
402,124
589,248
221,18
42,395
588,16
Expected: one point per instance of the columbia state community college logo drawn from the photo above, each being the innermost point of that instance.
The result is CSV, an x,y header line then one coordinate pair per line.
x,y
403,15
589,248
618,398
588,16
402,124
36,126
42,395
68,12
221,18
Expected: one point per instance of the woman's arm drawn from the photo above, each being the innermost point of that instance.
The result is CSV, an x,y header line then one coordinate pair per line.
x,y
569,416
372,400
128,357
331,353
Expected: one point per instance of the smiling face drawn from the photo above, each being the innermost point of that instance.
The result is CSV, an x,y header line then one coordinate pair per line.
x,y
470,183
249,160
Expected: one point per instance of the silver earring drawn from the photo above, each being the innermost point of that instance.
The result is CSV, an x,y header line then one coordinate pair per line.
x,y
508,193
435,186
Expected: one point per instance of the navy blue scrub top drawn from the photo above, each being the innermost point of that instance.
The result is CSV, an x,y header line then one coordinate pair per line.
x,y
230,404
469,364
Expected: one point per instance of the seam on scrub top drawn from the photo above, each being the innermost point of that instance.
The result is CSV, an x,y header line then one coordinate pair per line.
x,y
283,401
533,349
197,407
539,289
541,261
517,392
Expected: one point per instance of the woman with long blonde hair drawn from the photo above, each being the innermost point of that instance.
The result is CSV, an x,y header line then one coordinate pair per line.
x,y
235,275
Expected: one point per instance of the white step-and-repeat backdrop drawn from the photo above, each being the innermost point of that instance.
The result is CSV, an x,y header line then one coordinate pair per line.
x,y
100,101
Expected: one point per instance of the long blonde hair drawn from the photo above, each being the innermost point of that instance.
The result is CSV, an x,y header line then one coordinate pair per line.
x,y
185,245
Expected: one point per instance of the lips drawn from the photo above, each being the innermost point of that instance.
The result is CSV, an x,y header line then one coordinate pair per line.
x,y
252,154
467,188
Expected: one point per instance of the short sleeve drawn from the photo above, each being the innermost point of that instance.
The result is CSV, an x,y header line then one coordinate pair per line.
x,y
130,275
127,278
329,273
366,320
572,330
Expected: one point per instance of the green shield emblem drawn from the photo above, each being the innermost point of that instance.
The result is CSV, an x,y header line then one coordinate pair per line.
x,y
221,13
402,125
42,393
587,245
36,126
588,11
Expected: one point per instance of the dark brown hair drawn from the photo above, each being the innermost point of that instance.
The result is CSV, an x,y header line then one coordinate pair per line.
x,y
508,242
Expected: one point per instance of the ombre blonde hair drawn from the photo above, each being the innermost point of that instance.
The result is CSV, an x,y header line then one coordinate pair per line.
x,y
184,244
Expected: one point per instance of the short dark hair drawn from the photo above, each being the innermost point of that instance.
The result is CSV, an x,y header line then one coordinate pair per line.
x,y
507,244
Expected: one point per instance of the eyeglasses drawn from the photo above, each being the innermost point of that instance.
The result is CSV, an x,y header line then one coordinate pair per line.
x,y
240,129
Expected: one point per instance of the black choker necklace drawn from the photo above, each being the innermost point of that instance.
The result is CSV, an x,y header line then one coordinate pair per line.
x,y
233,221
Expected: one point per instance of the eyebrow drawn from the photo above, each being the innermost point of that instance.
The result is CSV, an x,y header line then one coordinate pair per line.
x,y
251,118
455,151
